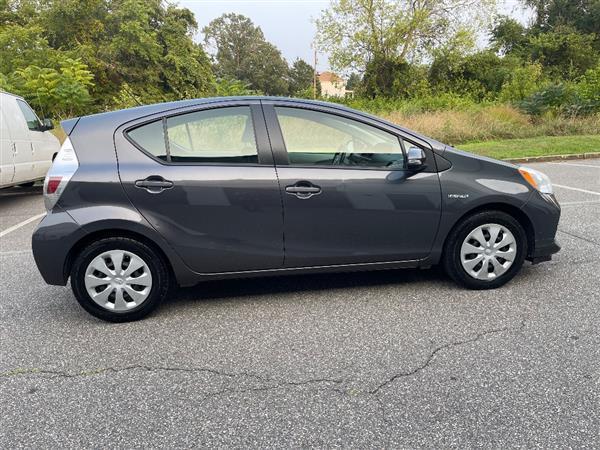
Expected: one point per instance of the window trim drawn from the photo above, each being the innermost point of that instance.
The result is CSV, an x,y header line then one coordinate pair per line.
x,y
162,117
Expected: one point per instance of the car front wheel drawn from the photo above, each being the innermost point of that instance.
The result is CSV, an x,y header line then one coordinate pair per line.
x,y
486,250
119,279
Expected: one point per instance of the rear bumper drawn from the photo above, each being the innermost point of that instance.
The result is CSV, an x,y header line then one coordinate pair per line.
x,y
51,243
544,251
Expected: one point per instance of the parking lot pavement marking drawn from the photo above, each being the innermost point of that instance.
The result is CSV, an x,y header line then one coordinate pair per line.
x,y
576,189
21,224
575,165
15,252
582,203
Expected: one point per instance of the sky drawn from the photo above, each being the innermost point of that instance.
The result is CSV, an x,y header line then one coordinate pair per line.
x,y
288,24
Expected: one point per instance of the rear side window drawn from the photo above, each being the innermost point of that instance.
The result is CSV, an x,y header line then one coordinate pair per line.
x,y
216,135
33,123
224,135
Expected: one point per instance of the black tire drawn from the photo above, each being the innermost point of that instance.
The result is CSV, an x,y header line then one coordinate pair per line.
x,y
161,279
451,258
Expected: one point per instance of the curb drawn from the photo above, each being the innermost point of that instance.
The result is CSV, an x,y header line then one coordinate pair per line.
x,y
534,159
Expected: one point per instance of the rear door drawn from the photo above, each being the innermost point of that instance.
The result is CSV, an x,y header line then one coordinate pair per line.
x,y
348,197
205,179
43,145
7,167
19,131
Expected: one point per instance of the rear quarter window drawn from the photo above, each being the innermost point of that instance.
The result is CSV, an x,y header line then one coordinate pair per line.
x,y
151,138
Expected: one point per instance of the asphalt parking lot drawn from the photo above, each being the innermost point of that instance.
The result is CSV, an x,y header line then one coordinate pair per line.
x,y
385,359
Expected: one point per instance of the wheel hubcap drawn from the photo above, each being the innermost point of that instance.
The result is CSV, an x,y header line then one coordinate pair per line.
x,y
118,280
488,251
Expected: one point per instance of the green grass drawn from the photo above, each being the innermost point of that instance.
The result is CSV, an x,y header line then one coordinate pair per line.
x,y
538,146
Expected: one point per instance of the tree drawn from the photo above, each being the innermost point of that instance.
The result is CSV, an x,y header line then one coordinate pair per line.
x,y
139,51
63,91
581,15
301,77
522,83
383,32
241,52
354,82
564,52
186,71
508,36
460,68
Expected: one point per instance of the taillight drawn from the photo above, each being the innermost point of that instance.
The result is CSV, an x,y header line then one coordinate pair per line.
x,y
53,183
64,167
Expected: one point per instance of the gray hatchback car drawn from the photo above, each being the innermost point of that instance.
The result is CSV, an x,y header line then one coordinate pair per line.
x,y
141,200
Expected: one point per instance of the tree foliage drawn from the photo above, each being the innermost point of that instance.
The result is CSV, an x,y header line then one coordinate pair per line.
x,y
64,91
301,78
135,51
71,57
241,52
359,32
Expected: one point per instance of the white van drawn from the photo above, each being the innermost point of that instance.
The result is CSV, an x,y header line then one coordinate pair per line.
x,y
27,148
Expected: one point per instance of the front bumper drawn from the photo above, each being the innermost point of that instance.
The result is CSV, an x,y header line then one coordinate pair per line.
x,y
544,212
543,251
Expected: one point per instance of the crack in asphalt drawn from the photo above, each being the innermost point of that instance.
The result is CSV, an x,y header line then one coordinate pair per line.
x,y
51,374
373,394
437,350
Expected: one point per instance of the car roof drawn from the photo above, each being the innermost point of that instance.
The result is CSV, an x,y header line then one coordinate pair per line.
x,y
119,117
11,94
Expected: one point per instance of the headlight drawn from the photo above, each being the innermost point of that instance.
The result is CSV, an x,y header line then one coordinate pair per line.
x,y
537,179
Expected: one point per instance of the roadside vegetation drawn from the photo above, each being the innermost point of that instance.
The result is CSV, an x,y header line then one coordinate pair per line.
x,y
534,147
417,64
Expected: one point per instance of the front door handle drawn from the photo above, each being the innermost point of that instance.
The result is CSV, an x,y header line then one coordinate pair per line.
x,y
303,190
154,184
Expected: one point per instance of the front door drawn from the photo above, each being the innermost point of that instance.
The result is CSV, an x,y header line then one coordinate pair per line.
x,y
347,194
210,188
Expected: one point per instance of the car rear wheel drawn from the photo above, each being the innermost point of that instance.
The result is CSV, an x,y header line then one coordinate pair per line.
x,y
486,250
119,279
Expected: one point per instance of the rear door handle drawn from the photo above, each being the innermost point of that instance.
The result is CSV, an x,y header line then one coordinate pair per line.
x,y
154,184
303,189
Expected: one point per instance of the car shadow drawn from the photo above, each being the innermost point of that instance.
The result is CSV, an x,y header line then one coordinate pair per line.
x,y
17,191
266,286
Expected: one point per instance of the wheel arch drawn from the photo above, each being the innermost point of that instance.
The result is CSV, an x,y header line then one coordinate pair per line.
x,y
507,208
115,233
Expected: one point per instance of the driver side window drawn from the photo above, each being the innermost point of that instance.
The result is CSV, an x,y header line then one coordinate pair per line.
x,y
317,138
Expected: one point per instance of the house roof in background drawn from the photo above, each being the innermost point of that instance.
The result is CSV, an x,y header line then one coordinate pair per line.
x,y
329,76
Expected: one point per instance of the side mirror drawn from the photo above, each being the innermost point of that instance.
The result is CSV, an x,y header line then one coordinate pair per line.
x,y
416,158
47,125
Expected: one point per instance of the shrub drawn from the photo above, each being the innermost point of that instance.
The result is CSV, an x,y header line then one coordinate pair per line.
x,y
492,122
522,83
553,99
588,91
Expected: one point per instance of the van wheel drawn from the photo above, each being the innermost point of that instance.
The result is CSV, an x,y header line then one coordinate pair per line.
x,y
119,279
486,250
